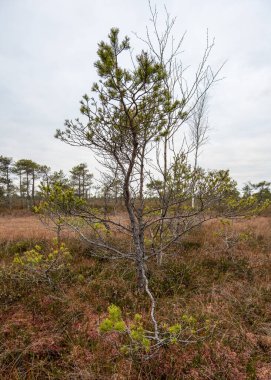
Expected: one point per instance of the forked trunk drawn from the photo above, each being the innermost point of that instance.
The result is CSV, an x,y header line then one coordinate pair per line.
x,y
140,276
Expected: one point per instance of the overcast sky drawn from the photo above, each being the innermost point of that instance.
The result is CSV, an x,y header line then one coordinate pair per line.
x,y
47,50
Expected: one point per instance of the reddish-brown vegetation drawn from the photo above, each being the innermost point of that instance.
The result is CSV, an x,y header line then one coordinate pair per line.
x,y
221,272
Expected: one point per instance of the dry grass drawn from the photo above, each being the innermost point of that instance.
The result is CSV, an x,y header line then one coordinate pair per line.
x,y
24,227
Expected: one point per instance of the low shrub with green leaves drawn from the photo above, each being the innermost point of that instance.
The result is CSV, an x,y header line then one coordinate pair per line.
x,y
36,258
34,267
137,339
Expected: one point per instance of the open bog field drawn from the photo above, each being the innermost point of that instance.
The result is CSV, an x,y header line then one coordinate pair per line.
x,y
27,226
220,273
23,227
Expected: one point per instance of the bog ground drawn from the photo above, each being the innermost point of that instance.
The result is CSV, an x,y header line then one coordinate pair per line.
x,y
220,273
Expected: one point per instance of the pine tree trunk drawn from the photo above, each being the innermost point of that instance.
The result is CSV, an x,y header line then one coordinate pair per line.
x,y
33,187
27,190
8,189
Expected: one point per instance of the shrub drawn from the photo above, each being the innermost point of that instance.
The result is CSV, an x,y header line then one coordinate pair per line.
x,y
33,268
137,339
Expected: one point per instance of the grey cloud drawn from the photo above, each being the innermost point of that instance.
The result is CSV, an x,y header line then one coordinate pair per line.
x,y
47,50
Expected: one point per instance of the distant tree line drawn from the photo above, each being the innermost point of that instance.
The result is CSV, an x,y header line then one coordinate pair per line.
x,y
20,181
261,190
20,184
